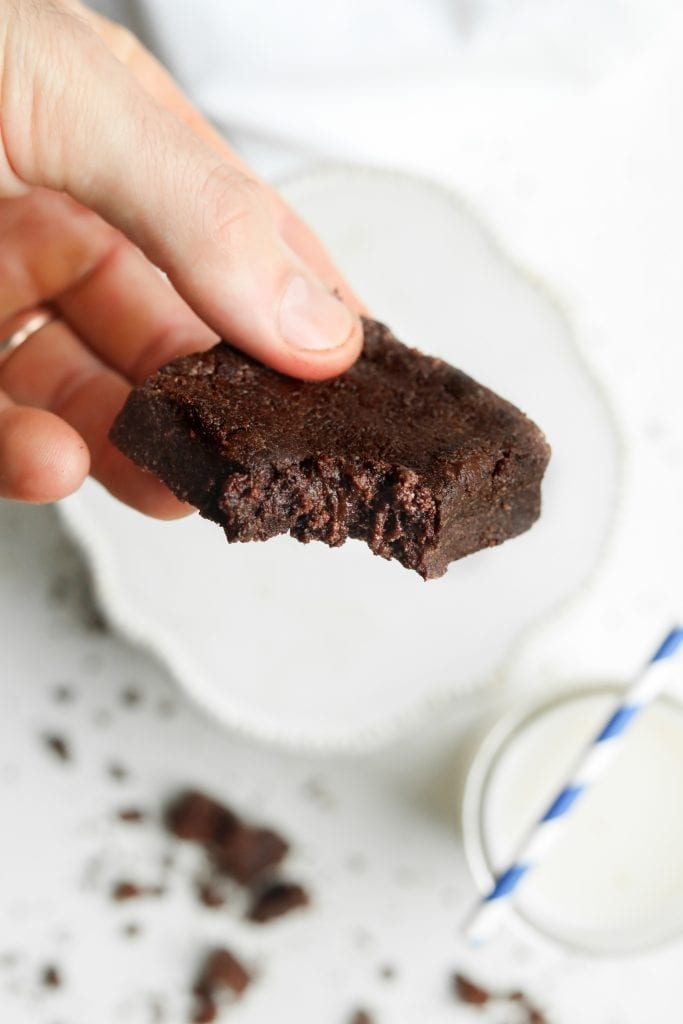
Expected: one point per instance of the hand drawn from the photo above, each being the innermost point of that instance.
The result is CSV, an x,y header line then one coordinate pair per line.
x,y
106,172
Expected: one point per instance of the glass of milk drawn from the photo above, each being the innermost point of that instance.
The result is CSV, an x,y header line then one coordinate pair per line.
x,y
613,883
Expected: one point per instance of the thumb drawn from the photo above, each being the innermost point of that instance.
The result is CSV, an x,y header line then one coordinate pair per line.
x,y
75,120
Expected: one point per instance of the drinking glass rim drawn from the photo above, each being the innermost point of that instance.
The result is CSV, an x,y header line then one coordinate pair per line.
x,y
479,774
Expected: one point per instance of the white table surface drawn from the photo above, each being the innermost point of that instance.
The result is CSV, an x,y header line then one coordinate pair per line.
x,y
376,839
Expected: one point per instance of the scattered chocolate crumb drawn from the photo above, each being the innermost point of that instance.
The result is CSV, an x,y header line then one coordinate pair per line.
x,y
222,970
473,994
126,891
222,974
277,899
199,818
362,1017
206,1011
131,697
117,771
468,992
388,972
63,694
51,976
132,930
131,815
58,745
246,853
210,894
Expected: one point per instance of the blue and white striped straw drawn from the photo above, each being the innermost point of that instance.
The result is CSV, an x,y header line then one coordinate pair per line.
x,y
589,766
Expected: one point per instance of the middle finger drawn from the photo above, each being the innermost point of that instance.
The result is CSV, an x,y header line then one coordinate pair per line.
x,y
52,370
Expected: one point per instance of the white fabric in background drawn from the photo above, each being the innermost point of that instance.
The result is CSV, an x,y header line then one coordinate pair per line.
x,y
386,80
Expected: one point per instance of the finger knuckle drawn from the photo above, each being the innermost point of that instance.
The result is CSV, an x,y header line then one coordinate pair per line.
x,y
232,207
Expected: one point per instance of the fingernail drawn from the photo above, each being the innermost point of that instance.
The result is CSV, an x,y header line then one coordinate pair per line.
x,y
312,319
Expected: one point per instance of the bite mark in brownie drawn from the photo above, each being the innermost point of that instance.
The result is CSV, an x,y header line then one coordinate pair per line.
x,y
403,451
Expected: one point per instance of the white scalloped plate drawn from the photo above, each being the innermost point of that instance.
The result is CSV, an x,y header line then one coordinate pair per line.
x,y
312,647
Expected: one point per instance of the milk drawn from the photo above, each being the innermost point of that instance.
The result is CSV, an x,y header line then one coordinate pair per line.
x,y
614,880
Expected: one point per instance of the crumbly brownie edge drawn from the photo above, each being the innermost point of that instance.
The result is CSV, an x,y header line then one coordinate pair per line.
x,y
422,523
152,432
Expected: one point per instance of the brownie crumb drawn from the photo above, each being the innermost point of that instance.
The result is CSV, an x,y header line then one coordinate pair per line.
x,y
131,697
58,745
276,900
362,1017
123,891
475,995
387,972
206,1011
131,815
126,891
222,970
132,930
197,817
468,992
51,977
117,771
246,853
210,894
243,852
222,974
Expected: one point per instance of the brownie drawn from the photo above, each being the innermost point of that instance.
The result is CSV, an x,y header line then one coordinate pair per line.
x,y
402,451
